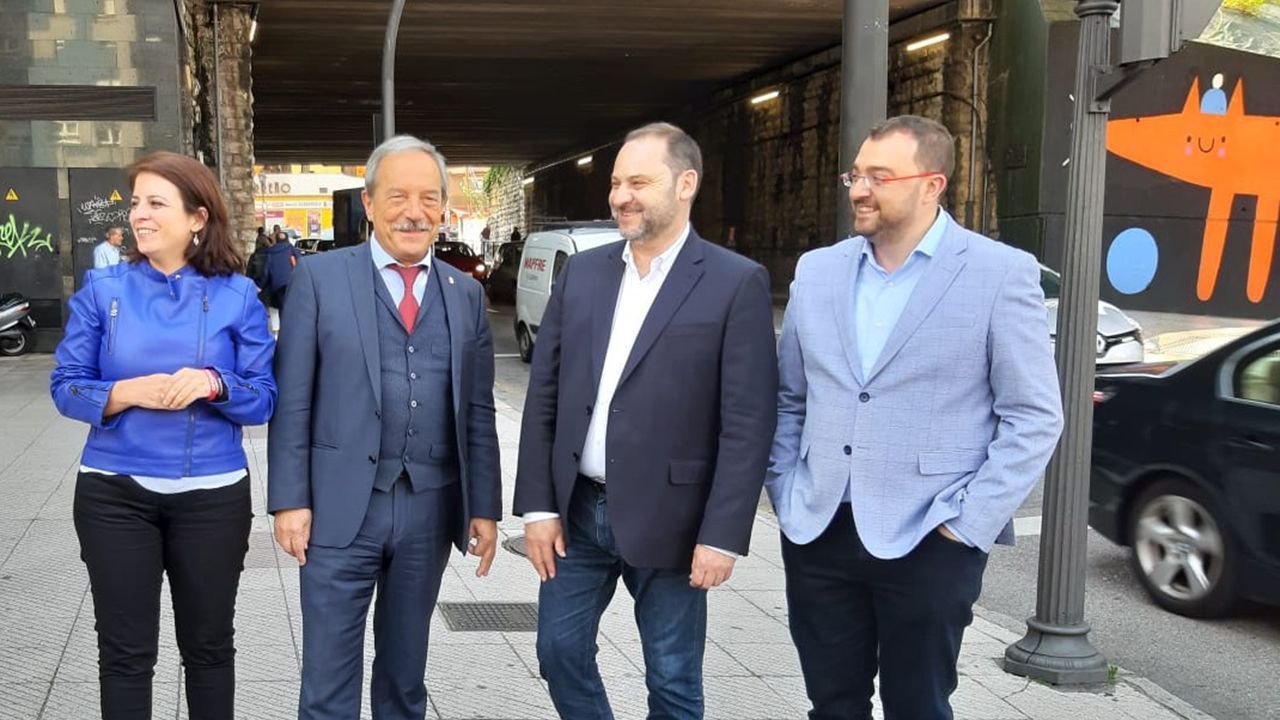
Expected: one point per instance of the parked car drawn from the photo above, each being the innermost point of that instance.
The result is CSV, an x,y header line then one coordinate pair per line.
x,y
544,256
503,274
1186,473
1119,336
461,256
313,245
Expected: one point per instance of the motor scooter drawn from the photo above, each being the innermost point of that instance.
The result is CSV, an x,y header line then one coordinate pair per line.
x,y
17,327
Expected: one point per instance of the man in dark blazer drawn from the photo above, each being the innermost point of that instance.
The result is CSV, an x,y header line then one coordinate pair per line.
x,y
383,450
646,432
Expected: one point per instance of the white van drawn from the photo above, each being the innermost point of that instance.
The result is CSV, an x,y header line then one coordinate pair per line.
x,y
545,254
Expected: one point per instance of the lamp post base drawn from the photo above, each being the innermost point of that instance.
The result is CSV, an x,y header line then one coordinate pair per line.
x,y
1057,654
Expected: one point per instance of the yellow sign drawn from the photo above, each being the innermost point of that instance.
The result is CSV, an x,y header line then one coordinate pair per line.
x,y
11,196
115,196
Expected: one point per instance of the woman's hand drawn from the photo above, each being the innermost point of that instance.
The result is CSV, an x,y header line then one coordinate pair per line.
x,y
185,387
146,391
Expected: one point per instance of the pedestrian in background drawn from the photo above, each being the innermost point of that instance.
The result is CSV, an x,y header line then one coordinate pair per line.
x,y
277,270
166,357
107,252
918,405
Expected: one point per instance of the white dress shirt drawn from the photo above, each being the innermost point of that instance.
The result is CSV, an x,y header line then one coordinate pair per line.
x,y
635,297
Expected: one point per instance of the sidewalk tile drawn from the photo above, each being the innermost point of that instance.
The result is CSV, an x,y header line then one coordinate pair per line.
x,y
79,700
22,701
491,699
747,698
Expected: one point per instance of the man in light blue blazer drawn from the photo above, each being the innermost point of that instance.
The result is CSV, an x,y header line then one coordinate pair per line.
x,y
918,404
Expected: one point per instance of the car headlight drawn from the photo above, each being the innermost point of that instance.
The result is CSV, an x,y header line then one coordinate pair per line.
x,y
1102,344
479,267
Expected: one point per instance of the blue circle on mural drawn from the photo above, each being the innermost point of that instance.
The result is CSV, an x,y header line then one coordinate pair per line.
x,y
1132,261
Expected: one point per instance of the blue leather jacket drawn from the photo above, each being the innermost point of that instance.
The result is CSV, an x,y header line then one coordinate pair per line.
x,y
131,320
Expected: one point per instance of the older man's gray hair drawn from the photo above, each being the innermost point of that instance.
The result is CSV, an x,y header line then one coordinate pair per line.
x,y
399,144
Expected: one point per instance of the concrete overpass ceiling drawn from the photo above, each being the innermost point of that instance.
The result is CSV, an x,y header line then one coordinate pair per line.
x,y
512,81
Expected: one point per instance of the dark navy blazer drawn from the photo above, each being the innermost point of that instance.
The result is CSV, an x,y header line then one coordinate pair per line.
x,y
694,413
325,435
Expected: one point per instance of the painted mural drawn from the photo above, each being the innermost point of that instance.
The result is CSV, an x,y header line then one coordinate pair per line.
x,y
1211,143
1193,198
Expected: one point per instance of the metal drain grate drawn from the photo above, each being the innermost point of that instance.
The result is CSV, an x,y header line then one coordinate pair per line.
x,y
490,616
516,545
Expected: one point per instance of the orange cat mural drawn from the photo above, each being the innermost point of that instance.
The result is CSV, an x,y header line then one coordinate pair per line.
x,y
1231,153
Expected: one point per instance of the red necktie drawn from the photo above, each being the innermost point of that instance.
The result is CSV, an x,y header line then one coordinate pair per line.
x,y
408,303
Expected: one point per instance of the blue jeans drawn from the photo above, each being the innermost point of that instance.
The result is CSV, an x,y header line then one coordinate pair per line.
x,y
671,617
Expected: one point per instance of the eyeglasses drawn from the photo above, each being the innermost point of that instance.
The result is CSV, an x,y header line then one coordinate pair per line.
x,y
875,183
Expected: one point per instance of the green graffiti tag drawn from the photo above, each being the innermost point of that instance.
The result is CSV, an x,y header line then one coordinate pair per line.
x,y
14,241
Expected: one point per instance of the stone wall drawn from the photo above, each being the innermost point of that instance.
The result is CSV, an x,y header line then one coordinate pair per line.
x,y
770,187
508,208
220,110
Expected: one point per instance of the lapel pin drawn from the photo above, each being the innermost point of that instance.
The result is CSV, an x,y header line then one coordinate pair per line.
x,y
450,281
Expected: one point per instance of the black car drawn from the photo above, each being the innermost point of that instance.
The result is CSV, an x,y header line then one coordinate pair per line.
x,y
506,267
1186,473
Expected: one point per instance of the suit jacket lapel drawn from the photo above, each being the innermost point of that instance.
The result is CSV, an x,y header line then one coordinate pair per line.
x,y
684,274
937,279
455,314
842,298
361,272
608,283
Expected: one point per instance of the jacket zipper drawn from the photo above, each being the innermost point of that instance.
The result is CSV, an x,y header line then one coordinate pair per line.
x,y
111,331
191,413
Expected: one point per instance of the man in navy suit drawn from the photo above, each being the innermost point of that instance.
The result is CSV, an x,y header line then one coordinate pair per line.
x,y
383,450
646,432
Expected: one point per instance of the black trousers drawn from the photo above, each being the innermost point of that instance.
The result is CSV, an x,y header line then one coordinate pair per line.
x,y
129,538
852,614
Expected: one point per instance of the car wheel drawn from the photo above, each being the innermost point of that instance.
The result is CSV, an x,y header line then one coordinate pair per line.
x,y
525,342
1181,551
12,346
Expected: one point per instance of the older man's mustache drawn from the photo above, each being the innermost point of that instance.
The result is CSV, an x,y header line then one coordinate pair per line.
x,y
412,227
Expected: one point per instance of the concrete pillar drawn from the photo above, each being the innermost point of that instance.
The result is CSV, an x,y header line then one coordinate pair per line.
x,y
864,62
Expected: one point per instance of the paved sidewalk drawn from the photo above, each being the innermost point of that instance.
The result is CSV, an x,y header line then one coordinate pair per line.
x,y
48,656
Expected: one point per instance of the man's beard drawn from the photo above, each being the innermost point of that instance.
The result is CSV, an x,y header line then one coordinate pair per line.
x,y
653,222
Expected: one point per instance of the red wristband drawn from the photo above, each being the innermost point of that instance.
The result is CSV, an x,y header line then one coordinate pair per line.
x,y
214,385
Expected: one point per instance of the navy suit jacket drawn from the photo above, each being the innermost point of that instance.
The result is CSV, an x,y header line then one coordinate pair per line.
x,y
325,435
694,413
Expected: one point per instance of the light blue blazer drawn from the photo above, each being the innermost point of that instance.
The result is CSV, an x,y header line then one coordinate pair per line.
x,y
955,422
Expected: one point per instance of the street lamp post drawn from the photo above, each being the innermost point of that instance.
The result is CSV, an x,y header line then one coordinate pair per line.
x,y
389,70
1056,647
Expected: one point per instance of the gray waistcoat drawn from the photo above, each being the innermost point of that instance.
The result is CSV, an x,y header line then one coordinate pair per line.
x,y
418,434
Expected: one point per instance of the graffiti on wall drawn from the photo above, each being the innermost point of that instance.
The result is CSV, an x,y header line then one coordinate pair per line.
x,y
24,239
1211,143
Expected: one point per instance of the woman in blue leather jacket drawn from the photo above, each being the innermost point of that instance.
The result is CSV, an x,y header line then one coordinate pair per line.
x,y
166,357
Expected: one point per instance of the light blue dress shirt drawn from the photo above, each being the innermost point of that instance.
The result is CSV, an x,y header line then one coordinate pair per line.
x,y
881,297
105,255
392,279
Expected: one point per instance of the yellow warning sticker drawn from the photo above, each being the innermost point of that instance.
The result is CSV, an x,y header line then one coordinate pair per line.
x,y
12,195
115,196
